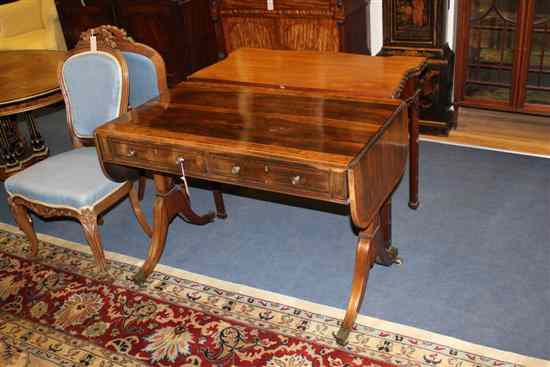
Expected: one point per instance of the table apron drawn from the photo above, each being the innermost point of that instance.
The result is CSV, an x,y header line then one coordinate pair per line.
x,y
270,174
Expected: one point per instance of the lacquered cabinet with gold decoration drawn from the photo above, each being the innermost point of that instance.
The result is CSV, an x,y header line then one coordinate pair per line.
x,y
418,28
503,55
317,25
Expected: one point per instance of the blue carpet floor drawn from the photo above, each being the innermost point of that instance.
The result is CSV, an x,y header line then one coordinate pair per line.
x,y
476,253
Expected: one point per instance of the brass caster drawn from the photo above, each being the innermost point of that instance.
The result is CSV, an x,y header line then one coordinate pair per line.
x,y
391,257
342,336
140,277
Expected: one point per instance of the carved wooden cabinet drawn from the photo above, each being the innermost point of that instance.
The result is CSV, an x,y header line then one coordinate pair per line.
x,y
503,55
418,28
320,25
76,17
181,31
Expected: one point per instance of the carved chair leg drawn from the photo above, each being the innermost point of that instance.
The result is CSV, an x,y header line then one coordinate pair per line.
x,y
24,221
364,259
88,219
134,200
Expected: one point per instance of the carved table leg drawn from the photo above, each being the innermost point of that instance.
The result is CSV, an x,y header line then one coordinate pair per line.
x,y
413,152
9,146
220,205
371,246
169,202
37,142
364,259
389,257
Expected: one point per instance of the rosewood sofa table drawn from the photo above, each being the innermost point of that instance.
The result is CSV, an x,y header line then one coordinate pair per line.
x,y
334,72
28,82
329,148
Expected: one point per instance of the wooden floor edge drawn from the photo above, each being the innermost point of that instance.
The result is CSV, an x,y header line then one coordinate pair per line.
x,y
432,139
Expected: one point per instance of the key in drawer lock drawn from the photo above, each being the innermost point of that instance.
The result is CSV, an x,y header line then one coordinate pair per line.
x,y
235,170
131,153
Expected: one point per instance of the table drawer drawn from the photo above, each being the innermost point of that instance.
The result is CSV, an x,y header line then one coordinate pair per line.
x,y
270,173
155,158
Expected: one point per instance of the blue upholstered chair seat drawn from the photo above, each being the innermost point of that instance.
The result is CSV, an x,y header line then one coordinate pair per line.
x,y
72,179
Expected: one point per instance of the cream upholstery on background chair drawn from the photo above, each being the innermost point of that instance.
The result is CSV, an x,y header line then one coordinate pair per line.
x,y
30,24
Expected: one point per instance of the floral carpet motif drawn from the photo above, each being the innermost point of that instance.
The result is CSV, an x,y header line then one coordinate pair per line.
x,y
56,310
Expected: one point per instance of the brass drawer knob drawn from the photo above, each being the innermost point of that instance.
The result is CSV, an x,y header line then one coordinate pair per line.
x,y
235,170
295,180
131,153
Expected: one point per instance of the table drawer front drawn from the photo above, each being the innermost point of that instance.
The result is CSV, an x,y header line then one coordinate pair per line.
x,y
270,173
148,156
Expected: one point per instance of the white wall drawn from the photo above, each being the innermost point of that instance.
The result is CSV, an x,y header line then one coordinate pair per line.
x,y
376,25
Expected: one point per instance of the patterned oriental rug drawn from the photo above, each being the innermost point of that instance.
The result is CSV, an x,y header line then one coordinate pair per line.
x,y
55,310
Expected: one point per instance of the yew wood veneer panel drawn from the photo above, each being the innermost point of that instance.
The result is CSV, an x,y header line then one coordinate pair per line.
x,y
291,142
348,74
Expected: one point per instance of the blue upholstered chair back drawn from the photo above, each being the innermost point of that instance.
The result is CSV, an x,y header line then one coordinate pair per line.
x,y
142,75
93,85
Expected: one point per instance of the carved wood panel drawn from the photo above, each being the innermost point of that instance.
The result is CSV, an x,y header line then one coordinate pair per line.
x,y
309,34
320,25
250,32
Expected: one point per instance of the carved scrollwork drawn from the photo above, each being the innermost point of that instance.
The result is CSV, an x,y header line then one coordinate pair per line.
x,y
45,211
108,36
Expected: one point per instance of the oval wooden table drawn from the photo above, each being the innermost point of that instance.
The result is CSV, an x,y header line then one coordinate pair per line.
x,y
28,82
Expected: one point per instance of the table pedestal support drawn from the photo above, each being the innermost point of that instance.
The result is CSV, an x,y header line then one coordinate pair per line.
x,y
170,201
16,153
373,245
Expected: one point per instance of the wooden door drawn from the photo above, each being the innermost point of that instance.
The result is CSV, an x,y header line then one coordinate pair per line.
x,y
79,15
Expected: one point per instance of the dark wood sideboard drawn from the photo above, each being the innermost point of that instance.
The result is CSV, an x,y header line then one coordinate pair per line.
x,y
418,28
181,31
317,25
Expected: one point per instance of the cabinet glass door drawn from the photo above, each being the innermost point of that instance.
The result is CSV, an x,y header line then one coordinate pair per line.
x,y
492,39
538,74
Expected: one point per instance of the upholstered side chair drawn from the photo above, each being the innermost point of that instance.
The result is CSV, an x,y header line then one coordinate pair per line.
x,y
147,78
95,88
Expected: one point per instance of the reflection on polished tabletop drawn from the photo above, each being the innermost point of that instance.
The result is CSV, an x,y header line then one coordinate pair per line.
x,y
329,148
344,74
350,74
28,74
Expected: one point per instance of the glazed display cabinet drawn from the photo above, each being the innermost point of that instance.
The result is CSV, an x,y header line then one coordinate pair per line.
x,y
503,55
